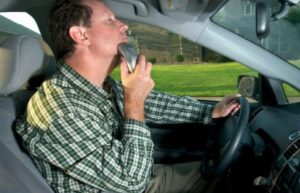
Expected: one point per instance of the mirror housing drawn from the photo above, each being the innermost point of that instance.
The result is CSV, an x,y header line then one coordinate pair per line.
x,y
262,20
284,8
248,86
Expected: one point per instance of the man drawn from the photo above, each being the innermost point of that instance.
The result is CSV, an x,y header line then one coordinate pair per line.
x,y
86,132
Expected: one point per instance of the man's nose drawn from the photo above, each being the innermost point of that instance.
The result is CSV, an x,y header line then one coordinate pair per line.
x,y
123,26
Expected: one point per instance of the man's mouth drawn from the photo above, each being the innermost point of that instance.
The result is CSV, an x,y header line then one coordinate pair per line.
x,y
125,39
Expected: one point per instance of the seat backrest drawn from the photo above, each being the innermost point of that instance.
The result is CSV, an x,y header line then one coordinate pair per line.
x,y
24,63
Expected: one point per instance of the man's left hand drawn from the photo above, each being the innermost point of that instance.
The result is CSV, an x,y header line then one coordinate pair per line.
x,y
228,105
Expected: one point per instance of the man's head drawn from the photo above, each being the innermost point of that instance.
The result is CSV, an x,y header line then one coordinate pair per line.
x,y
63,15
86,23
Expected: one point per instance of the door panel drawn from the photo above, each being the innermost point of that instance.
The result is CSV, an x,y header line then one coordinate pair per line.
x,y
175,143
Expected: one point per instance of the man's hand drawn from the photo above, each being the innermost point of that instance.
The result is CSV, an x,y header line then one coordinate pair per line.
x,y
137,86
228,105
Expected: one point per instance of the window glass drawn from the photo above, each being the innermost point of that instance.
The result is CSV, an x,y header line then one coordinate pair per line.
x,y
239,17
18,23
291,93
182,67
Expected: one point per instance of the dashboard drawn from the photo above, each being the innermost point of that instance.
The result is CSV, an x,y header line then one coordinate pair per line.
x,y
281,130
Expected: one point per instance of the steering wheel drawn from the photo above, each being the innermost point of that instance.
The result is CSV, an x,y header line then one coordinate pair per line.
x,y
227,142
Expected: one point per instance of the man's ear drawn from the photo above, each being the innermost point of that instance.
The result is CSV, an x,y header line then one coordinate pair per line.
x,y
78,34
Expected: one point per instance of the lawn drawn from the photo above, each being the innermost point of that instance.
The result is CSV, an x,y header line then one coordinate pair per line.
x,y
198,80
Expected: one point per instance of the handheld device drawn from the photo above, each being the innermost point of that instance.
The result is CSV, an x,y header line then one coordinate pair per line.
x,y
129,52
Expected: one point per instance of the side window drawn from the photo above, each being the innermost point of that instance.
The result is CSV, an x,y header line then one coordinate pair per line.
x,y
291,93
182,67
18,23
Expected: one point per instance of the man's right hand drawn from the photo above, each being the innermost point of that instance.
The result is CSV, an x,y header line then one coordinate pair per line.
x,y
137,86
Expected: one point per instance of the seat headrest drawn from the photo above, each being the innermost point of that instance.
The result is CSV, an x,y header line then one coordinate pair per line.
x,y
22,58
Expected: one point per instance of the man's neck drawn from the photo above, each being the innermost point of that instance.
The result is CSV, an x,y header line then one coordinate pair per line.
x,y
94,70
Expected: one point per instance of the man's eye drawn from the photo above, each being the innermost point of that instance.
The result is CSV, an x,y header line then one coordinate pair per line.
x,y
110,20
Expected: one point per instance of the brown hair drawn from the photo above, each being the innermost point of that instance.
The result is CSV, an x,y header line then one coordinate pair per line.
x,y
63,15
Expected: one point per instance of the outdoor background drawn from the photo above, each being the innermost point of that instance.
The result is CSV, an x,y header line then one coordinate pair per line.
x,y
182,67
205,80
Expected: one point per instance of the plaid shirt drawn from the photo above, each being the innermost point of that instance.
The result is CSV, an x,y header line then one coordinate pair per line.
x,y
80,142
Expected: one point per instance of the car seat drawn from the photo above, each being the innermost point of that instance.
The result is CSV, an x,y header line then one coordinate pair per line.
x,y
24,63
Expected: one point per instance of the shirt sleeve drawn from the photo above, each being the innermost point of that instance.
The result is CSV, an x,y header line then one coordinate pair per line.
x,y
85,149
165,108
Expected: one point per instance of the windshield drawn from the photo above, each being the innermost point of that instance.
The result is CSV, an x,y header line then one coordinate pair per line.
x,y
239,16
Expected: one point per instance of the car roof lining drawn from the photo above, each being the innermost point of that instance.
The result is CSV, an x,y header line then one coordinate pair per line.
x,y
136,10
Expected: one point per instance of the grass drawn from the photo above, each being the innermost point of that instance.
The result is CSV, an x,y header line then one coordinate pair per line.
x,y
205,80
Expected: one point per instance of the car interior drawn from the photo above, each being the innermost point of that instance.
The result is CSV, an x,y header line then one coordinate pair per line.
x,y
258,150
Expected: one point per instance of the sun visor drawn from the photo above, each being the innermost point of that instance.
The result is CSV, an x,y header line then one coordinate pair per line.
x,y
136,7
182,9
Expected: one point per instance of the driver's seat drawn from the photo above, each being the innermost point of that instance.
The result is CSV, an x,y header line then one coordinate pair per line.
x,y
24,63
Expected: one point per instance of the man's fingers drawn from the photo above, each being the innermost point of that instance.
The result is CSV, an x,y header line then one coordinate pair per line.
x,y
124,69
230,108
235,109
229,105
148,68
141,63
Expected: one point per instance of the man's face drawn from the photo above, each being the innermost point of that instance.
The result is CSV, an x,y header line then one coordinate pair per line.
x,y
106,32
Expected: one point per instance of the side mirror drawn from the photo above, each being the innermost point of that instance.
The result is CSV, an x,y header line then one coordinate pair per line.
x,y
248,86
262,20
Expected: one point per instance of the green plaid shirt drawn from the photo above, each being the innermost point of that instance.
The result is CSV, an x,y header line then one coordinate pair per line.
x,y
80,142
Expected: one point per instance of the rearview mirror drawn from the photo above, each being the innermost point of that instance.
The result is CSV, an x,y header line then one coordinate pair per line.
x,y
248,86
262,20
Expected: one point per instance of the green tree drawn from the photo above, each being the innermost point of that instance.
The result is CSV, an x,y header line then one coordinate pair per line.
x,y
153,60
179,58
293,15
